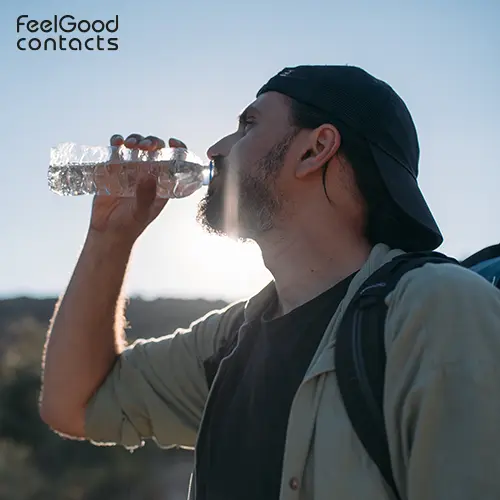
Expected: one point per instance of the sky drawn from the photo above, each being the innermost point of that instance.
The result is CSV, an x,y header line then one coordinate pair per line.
x,y
186,70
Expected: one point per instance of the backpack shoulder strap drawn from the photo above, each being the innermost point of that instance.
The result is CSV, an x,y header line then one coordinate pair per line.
x,y
486,263
483,255
360,356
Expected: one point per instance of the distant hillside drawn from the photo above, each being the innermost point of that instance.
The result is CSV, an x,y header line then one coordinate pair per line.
x,y
146,318
37,464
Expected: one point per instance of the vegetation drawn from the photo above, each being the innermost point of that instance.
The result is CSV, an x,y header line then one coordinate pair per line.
x,y
37,464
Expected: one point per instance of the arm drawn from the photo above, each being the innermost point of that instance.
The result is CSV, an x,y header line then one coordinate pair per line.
x,y
442,399
94,388
86,334
158,387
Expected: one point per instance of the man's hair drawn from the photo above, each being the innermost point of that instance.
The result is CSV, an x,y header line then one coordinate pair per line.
x,y
385,221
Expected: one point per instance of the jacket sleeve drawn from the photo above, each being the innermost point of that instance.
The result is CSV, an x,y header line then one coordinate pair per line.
x,y
442,399
157,387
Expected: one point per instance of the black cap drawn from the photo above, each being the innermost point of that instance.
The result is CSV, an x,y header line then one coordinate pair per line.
x,y
373,110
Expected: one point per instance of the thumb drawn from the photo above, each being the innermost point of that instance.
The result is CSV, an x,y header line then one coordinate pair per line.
x,y
145,196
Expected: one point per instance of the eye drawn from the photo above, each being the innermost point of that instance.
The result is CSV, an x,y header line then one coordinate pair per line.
x,y
246,122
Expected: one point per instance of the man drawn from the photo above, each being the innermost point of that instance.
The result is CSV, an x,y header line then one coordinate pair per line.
x,y
321,173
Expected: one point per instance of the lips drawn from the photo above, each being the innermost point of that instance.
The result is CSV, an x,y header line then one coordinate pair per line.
x,y
217,165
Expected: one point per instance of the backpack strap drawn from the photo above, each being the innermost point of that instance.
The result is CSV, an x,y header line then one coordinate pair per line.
x,y
483,255
486,263
360,356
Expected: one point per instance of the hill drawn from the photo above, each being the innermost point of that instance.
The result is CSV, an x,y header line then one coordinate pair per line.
x,y
35,463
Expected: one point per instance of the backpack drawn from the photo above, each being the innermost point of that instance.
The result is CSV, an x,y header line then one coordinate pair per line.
x,y
360,357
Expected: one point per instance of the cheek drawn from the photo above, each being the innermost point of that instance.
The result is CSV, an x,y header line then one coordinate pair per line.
x,y
249,149
239,154
224,146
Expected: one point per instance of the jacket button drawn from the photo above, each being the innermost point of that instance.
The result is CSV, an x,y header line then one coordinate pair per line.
x,y
294,483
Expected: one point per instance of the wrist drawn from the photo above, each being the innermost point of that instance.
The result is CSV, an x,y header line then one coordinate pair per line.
x,y
117,244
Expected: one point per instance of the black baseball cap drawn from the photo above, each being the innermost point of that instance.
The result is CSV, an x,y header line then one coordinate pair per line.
x,y
375,112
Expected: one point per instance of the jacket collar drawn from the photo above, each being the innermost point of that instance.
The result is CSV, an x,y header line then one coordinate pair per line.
x,y
379,255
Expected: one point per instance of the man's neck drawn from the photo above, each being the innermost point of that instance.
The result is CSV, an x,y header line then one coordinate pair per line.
x,y
306,266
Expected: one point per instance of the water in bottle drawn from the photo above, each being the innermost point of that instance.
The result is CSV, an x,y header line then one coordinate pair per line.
x,y
78,170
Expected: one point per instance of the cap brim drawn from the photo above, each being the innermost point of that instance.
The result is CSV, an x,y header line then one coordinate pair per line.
x,y
405,192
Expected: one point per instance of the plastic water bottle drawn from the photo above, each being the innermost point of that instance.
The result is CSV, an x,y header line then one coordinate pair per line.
x,y
107,170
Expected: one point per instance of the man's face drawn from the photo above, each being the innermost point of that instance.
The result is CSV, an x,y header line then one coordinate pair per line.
x,y
243,198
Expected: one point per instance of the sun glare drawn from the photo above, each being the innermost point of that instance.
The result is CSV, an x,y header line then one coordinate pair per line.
x,y
233,269
176,257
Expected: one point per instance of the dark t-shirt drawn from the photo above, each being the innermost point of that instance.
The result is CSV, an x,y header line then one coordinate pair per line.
x,y
241,446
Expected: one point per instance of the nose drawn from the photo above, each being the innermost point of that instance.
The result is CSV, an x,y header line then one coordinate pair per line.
x,y
212,151
222,147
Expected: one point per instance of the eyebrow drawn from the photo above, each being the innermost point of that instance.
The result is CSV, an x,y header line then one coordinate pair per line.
x,y
244,115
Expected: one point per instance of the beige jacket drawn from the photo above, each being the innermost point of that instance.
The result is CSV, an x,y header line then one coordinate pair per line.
x,y
442,393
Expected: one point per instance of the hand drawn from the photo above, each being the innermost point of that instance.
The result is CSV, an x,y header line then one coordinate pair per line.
x,y
127,218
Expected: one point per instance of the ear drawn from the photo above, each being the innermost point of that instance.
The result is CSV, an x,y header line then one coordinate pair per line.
x,y
319,148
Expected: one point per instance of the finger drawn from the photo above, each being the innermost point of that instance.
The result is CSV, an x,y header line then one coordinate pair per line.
x,y
116,140
176,143
145,196
157,142
151,143
133,140
145,145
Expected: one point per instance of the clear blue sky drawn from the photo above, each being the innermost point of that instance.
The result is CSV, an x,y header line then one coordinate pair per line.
x,y
187,69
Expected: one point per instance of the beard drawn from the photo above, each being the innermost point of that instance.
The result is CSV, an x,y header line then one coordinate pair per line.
x,y
245,202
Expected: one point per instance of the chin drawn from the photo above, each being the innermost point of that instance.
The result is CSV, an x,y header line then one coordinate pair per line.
x,y
211,212
213,218
234,212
